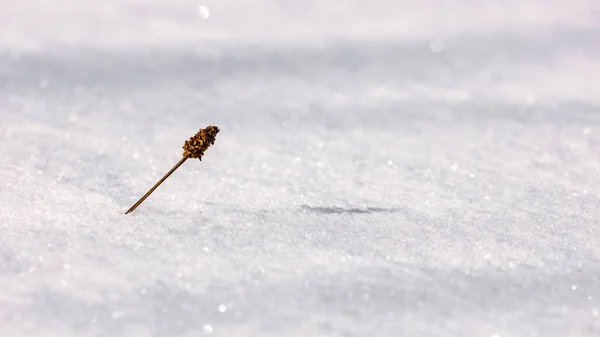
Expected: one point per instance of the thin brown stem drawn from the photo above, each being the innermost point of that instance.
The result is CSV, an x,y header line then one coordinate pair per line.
x,y
157,184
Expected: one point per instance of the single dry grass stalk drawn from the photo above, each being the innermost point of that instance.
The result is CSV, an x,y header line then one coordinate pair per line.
x,y
193,148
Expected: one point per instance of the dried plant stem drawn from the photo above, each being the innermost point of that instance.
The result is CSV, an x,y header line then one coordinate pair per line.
x,y
156,185
192,148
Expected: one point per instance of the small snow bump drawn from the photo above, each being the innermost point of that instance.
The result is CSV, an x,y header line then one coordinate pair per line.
x,y
586,131
208,329
222,308
203,12
117,314
437,46
530,99
44,83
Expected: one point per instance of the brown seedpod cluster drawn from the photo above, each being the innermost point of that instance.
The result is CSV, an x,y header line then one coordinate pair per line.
x,y
193,148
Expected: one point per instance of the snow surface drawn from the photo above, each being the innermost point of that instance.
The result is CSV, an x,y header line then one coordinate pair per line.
x,y
384,168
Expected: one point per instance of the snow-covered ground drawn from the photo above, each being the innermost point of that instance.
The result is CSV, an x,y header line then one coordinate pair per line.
x,y
384,168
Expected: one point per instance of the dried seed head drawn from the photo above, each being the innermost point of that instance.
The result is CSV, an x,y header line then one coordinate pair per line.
x,y
195,147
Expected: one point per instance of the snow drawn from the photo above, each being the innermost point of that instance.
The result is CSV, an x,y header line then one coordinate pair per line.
x,y
383,168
